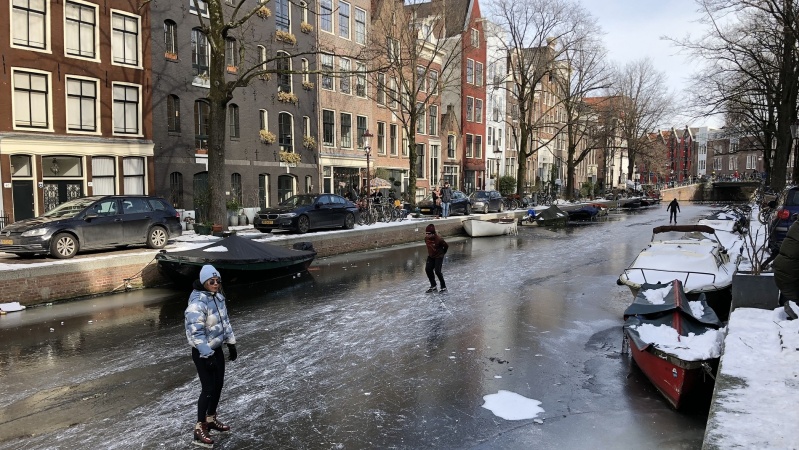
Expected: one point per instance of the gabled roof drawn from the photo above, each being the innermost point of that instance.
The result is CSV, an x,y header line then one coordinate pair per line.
x,y
456,13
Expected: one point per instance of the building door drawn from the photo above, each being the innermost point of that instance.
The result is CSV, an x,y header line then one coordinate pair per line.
x,y
202,197
58,192
22,192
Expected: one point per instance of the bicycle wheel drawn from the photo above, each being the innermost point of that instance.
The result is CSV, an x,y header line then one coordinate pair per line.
x,y
765,216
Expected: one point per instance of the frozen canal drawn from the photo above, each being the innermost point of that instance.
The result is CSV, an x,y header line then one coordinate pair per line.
x,y
356,356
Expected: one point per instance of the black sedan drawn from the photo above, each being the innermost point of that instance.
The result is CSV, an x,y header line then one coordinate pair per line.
x,y
460,204
305,212
487,201
93,222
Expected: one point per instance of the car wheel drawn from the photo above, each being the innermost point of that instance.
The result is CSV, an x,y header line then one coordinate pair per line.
x,y
303,224
485,209
157,238
63,246
349,221
501,208
468,210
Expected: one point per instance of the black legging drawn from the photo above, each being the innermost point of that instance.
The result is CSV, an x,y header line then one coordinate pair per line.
x,y
433,265
673,215
211,381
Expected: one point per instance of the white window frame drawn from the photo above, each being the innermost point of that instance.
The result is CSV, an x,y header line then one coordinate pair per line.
x,y
469,72
360,80
49,100
478,73
139,110
345,65
203,7
344,143
469,111
96,57
306,76
292,133
478,110
263,117
330,68
332,15
138,64
47,33
97,103
333,143
349,20
289,4
306,127
365,26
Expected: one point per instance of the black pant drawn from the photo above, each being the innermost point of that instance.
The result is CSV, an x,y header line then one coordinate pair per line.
x,y
211,381
433,265
673,216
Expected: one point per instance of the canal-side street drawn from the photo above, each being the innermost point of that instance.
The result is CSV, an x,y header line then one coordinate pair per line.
x,y
355,355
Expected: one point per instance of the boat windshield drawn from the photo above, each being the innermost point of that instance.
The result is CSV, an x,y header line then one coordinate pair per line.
x,y
70,209
299,200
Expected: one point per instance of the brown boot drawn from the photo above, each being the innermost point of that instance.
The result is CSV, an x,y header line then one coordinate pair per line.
x,y
214,424
201,436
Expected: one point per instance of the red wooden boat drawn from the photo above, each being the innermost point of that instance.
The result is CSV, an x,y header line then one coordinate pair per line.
x,y
671,364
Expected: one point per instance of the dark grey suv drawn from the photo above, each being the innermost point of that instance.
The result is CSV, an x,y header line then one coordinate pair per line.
x,y
93,222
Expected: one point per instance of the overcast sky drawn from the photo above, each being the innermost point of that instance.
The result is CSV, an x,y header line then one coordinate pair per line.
x,y
634,28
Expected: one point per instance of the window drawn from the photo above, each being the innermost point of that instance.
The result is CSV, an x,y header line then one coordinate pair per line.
x,y
81,105
283,66
478,146
203,7
392,143
282,15
263,119
231,53
344,19
478,74
306,77
171,39
133,173
469,149
478,110
360,81
201,112
326,15
304,7
393,48
306,126
346,130
235,187
360,122
29,23
381,89
432,122
420,79
393,96
420,161
285,129
344,81
233,121
432,82
103,175
469,71
381,138
200,52
328,128
469,109
80,30
360,26
327,70
124,39
420,124
262,60
434,150
451,146
126,109
31,100
475,38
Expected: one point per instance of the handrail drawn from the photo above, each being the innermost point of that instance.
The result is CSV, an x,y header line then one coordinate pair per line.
x,y
683,228
684,282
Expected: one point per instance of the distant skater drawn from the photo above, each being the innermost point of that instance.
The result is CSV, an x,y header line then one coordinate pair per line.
x,y
436,249
673,208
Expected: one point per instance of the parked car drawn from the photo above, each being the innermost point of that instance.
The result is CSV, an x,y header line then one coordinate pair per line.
x,y
93,222
786,214
486,201
305,212
460,204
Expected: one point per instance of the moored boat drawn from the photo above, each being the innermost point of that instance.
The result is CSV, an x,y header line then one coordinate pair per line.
x,y
238,260
674,341
585,212
492,227
552,216
703,265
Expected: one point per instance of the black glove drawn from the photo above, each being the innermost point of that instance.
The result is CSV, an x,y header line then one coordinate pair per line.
x,y
210,363
233,353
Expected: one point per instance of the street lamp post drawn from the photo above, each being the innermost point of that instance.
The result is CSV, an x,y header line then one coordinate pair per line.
x,y
367,148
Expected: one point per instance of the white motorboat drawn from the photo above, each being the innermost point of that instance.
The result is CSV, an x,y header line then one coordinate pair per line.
x,y
492,227
701,264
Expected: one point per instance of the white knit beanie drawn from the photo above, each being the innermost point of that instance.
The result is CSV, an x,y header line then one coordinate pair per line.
x,y
208,271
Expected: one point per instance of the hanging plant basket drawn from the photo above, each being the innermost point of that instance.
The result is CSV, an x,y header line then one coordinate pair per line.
x,y
309,142
306,27
263,12
287,97
290,158
286,37
307,85
267,137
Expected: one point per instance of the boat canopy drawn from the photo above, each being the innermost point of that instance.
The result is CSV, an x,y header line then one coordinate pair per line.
x,y
235,250
553,213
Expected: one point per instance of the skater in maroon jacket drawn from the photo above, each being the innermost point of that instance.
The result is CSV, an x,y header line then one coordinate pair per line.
x,y
436,249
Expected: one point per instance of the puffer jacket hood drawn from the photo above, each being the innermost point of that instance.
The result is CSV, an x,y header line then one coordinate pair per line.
x,y
207,321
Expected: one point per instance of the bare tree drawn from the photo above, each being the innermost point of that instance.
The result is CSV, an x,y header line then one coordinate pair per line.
x,y
642,103
538,34
418,63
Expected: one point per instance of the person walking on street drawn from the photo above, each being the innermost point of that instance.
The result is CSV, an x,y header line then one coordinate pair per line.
x,y
673,208
207,328
786,270
446,199
436,249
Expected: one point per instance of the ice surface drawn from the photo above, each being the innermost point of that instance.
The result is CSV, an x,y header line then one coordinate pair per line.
x,y
512,406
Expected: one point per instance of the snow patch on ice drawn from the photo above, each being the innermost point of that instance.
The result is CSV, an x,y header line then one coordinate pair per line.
x,y
512,406
688,348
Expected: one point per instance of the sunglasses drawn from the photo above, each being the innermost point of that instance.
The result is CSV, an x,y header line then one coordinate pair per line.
x,y
213,281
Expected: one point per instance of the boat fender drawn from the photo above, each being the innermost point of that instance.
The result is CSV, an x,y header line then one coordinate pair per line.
x,y
618,282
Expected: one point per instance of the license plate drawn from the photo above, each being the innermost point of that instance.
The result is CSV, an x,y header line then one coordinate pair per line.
x,y
424,210
267,222
6,241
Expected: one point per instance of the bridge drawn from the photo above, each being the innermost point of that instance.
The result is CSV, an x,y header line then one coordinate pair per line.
x,y
716,191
